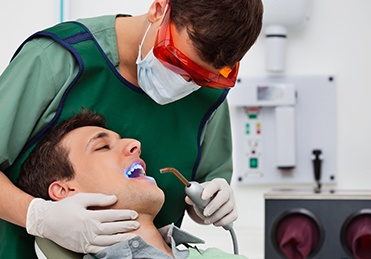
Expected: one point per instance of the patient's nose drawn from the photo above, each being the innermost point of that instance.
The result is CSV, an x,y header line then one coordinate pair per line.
x,y
132,147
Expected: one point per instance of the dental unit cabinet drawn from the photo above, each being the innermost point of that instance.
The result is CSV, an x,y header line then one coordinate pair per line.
x,y
278,122
332,224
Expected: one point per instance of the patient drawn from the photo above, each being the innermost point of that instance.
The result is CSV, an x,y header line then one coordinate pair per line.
x,y
82,155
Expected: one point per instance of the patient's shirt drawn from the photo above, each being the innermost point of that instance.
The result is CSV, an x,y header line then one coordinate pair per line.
x,y
173,236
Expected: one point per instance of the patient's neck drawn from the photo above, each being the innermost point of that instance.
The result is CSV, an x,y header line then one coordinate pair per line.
x,y
150,234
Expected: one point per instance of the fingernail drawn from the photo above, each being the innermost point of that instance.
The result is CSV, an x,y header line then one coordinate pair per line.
x,y
136,225
134,215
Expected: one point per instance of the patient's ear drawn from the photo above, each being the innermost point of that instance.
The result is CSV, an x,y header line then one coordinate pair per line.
x,y
59,190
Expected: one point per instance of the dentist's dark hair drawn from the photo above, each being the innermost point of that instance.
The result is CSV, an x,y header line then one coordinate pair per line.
x,y
222,31
48,161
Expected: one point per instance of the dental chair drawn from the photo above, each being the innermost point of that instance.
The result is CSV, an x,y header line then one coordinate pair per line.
x,y
47,249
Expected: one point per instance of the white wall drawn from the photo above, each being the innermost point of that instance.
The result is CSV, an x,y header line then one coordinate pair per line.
x,y
336,40
19,18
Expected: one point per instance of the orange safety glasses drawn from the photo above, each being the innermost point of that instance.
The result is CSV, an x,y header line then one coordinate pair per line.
x,y
172,58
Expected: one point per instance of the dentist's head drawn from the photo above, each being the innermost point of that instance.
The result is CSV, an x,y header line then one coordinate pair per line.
x,y
189,44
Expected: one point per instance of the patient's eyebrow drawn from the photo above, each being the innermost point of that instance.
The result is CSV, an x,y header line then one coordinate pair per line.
x,y
99,135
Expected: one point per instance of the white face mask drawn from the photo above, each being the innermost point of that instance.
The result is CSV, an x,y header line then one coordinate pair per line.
x,y
158,82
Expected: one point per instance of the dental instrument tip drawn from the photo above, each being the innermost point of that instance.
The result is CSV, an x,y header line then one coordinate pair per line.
x,y
176,173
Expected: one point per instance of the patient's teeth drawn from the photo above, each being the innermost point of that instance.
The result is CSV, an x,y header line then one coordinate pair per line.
x,y
136,170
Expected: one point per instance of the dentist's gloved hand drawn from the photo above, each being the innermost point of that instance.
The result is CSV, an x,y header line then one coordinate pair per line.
x,y
222,208
71,225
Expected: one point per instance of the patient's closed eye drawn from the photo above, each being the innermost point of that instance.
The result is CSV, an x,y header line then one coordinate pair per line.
x,y
102,147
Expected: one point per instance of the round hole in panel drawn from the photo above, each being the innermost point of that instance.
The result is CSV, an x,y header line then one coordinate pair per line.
x,y
356,234
297,233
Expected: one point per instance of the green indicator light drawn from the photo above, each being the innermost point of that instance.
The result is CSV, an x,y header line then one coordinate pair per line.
x,y
253,116
247,128
253,162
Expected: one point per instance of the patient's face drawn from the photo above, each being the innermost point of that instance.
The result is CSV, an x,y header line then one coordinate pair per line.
x,y
106,163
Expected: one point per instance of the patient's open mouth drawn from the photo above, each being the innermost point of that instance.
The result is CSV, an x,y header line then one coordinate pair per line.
x,y
135,170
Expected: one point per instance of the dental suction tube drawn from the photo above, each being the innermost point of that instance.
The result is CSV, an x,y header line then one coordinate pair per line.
x,y
194,191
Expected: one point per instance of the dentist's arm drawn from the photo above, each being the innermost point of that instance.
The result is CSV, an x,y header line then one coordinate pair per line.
x,y
89,231
13,202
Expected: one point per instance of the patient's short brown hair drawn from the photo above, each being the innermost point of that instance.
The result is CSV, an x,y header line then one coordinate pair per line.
x,y
48,161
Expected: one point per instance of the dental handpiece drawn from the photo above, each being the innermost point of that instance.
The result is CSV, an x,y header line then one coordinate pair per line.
x,y
194,191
